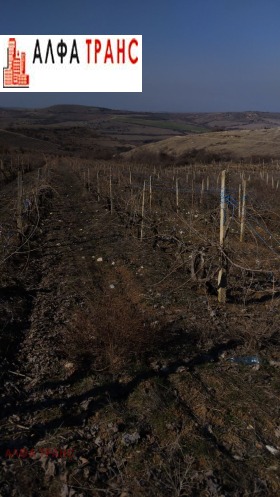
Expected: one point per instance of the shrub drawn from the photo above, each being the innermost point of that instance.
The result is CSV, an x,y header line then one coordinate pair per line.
x,y
113,336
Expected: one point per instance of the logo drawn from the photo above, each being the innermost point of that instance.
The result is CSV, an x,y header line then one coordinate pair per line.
x,y
71,63
14,74
24,453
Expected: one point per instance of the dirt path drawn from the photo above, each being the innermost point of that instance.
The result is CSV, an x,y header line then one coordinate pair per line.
x,y
63,275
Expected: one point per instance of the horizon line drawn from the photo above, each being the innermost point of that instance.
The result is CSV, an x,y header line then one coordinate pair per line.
x,y
142,111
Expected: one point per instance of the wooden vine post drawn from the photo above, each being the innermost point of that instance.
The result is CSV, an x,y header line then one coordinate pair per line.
x,y
46,172
111,194
202,191
177,194
222,277
97,186
88,179
143,212
19,204
239,202
150,193
243,211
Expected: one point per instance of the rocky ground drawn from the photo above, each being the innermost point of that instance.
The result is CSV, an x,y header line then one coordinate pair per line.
x,y
115,371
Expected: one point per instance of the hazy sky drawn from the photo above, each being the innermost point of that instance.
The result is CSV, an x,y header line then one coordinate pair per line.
x,y
198,55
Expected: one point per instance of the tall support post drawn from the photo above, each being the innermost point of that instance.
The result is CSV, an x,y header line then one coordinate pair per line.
x,y
2,168
192,206
150,193
222,277
177,194
19,204
218,178
45,172
88,179
223,209
143,212
202,191
243,211
131,187
239,202
97,186
111,194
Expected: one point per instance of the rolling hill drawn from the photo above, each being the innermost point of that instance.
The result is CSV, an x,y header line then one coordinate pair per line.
x,y
260,144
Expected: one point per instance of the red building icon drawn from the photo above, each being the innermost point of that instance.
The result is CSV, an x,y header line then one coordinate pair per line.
x,y
14,73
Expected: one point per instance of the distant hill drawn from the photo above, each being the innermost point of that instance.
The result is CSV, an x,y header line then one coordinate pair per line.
x,y
182,122
88,131
10,140
225,145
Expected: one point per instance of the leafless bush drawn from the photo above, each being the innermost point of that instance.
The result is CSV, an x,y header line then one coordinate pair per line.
x,y
111,337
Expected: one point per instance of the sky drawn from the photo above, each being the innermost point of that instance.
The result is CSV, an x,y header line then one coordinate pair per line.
x,y
198,55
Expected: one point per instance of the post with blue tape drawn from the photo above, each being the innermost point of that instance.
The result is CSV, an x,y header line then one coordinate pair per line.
x,y
243,211
222,276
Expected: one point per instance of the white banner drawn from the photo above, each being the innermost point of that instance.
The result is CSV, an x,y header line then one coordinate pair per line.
x,y
71,63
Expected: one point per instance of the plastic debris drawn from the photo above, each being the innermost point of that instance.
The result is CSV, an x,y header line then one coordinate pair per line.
x,y
246,360
100,259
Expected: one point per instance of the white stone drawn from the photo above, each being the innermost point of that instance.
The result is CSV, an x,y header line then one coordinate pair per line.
x,y
272,450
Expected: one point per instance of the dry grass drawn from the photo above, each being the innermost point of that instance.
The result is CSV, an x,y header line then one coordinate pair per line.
x,y
263,143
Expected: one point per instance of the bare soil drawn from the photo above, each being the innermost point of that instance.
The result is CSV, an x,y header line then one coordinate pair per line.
x,y
110,351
